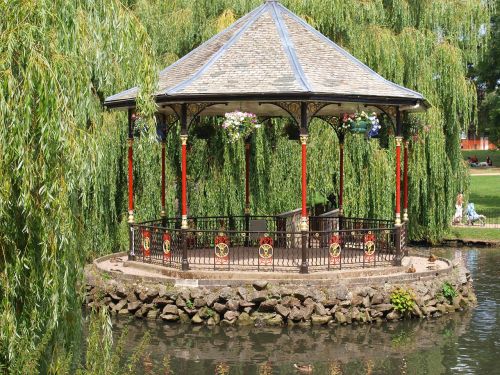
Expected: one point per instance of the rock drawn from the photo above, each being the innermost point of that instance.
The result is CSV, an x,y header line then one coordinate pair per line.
x,y
180,302
162,301
170,309
415,310
441,308
377,299
260,284
355,314
199,302
205,312
246,304
225,322
427,310
220,308
393,315
345,303
276,320
330,303
131,297
318,296
341,292
320,320
319,309
196,319
153,314
296,314
308,301
226,293
230,315
196,293
211,298
152,294
134,306
258,296
340,317
190,312
248,310
449,308
366,301
290,302
244,319
183,317
384,307
143,296
432,302
211,322
170,317
233,305
301,294
162,291
120,305
123,312
375,313
357,300
366,291
243,293
268,305
115,296
282,310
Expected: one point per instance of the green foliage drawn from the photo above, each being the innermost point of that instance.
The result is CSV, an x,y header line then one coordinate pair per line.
x,y
403,300
189,304
448,291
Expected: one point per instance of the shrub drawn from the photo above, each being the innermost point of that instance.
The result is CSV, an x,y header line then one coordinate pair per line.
x,y
403,300
448,291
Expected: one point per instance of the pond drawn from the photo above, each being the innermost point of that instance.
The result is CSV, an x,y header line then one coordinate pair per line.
x,y
461,343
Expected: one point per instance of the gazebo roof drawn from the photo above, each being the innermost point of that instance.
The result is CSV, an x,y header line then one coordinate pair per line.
x,y
271,54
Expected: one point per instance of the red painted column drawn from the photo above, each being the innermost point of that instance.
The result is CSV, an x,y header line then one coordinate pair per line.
x,y
405,182
184,224
398,180
303,141
247,178
163,211
341,188
132,119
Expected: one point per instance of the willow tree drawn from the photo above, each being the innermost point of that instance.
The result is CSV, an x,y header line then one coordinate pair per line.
x,y
424,45
58,59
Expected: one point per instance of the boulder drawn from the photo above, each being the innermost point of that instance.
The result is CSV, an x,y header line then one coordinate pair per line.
x,y
268,305
152,314
162,301
243,293
340,317
282,310
123,312
244,319
260,284
230,315
196,293
205,312
120,305
169,317
319,309
170,309
220,308
196,319
199,302
384,307
183,317
393,315
246,304
366,301
233,305
320,320
211,298
308,301
290,302
377,299
258,296
180,302
226,293
307,311
274,321
301,294
415,310
134,306
296,314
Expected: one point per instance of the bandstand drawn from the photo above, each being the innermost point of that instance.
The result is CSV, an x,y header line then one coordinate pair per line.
x,y
273,64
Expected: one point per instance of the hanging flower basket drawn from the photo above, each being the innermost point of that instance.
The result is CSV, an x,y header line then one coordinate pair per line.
x,y
362,123
239,125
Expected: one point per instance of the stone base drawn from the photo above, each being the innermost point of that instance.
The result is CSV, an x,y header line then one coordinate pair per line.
x,y
280,302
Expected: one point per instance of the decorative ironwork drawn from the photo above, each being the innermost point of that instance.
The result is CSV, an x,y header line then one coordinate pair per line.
x,y
195,109
146,243
369,247
266,251
167,246
335,250
221,250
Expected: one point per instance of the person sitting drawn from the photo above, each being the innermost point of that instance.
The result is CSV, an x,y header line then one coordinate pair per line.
x,y
457,218
489,161
474,159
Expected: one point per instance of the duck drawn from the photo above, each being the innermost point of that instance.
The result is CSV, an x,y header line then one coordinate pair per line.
x,y
411,269
305,369
432,258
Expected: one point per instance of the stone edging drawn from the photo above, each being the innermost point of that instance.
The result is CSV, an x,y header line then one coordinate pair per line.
x,y
263,302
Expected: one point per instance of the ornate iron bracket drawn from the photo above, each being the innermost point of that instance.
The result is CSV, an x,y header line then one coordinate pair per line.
x,y
195,109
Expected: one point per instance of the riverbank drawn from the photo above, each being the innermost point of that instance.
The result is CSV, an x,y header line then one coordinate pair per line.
x,y
356,297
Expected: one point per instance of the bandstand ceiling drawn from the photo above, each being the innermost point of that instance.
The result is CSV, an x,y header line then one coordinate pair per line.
x,y
271,55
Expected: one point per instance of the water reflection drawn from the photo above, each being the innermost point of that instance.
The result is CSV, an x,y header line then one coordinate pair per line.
x,y
458,343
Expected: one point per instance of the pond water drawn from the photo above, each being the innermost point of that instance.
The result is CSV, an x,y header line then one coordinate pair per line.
x,y
462,343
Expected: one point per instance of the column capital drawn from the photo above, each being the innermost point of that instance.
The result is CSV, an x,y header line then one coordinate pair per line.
x,y
303,138
184,138
131,219
399,141
405,214
130,142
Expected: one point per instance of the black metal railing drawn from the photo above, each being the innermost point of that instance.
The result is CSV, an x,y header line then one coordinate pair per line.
x,y
267,243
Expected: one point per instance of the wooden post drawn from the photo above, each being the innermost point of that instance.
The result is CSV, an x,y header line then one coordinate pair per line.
x,y
184,222
405,182
131,120
304,225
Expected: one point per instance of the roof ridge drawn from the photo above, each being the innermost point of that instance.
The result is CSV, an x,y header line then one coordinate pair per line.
x,y
221,50
344,52
289,47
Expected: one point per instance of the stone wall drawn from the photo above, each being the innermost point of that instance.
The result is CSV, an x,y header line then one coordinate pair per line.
x,y
271,304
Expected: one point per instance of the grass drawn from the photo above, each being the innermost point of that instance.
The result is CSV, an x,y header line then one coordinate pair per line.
x,y
485,194
476,233
482,154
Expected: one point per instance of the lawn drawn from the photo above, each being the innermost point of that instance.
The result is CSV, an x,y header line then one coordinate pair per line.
x,y
474,233
485,194
482,154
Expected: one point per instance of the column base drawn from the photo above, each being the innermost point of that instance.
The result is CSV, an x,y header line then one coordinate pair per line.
x,y
184,222
131,219
185,265
405,214
397,222
304,224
